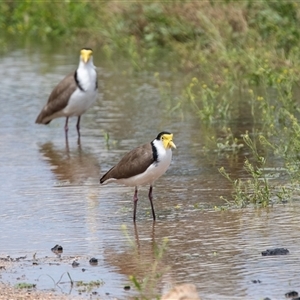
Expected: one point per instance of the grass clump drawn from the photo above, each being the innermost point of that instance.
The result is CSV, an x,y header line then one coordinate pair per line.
x,y
25,285
46,19
194,30
88,286
255,188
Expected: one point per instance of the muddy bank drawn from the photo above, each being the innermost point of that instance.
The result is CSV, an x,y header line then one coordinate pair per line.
x,y
16,282
8,292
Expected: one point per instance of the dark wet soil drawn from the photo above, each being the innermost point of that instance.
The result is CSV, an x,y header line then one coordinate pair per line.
x,y
275,251
291,294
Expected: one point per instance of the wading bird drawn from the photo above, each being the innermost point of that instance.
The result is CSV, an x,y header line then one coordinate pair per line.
x,y
143,165
76,93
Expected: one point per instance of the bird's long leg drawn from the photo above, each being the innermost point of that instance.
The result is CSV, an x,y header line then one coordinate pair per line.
x,y
150,198
78,126
67,143
66,125
135,200
66,132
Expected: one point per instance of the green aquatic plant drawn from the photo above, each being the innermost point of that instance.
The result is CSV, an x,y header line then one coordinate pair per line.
x,y
254,190
211,102
167,94
256,187
106,138
228,143
288,145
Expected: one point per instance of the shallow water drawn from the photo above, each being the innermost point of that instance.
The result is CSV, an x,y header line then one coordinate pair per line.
x,y
50,193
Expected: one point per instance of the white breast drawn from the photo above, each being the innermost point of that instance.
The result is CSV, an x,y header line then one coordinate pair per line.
x,y
81,101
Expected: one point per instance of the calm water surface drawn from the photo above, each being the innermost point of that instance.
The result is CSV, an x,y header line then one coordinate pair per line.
x,y
50,193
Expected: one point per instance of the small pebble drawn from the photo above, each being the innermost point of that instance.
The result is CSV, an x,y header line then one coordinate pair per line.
x,y
256,281
75,264
93,261
57,249
292,294
275,251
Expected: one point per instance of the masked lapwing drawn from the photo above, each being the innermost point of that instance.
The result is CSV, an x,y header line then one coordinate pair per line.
x,y
76,93
142,166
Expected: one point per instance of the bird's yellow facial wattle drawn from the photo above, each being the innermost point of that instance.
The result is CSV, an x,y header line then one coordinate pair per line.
x,y
167,140
86,54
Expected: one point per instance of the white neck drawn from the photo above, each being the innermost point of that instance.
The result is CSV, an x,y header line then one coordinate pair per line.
x,y
86,74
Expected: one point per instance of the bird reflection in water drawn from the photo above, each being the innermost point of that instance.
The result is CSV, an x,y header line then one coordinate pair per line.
x,y
135,258
71,167
144,258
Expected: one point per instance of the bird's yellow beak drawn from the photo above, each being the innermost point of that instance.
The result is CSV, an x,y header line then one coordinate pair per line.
x,y
86,54
172,145
168,141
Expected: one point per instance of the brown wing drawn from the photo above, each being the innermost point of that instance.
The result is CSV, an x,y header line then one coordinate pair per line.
x,y
58,99
133,163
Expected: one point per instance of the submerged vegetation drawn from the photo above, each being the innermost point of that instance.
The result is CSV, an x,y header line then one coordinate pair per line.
x,y
241,61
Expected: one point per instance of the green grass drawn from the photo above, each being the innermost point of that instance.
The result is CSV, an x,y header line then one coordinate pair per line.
x,y
88,286
24,285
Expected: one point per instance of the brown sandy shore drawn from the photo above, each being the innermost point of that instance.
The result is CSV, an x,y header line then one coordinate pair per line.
x,y
10,293
187,292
